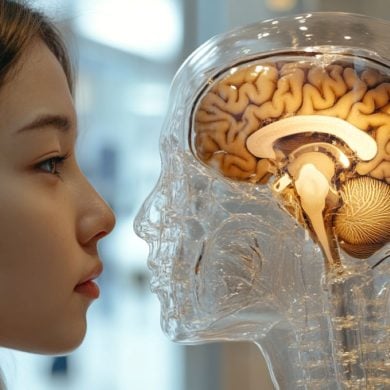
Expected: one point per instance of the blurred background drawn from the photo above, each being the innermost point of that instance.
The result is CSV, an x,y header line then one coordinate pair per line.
x,y
126,54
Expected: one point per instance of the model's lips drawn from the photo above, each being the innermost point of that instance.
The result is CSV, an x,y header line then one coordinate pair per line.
x,y
87,286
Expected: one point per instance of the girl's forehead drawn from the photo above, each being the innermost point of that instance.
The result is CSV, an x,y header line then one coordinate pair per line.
x,y
39,87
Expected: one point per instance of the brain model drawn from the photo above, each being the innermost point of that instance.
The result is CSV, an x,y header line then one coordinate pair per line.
x,y
318,133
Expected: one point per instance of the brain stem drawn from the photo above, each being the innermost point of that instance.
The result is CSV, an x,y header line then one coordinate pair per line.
x,y
313,188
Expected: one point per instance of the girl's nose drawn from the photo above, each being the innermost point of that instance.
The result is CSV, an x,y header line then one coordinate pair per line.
x,y
97,218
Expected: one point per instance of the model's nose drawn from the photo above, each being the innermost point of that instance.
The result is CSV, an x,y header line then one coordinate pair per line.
x,y
148,220
141,223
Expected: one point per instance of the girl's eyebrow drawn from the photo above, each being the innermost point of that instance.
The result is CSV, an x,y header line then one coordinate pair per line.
x,y
59,122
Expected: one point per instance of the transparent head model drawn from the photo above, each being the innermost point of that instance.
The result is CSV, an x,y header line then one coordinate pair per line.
x,y
271,219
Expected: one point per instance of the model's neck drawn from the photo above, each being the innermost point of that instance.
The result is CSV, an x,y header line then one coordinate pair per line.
x,y
337,341
301,358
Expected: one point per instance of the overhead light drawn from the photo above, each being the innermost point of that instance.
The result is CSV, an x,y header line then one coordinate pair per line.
x,y
148,28
281,5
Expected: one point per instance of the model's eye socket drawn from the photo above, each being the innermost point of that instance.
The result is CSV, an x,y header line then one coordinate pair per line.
x,y
316,129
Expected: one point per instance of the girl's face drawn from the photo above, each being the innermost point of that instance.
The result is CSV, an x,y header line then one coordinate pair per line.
x,y
50,217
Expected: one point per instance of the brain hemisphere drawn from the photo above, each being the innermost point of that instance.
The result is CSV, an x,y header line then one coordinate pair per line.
x,y
254,96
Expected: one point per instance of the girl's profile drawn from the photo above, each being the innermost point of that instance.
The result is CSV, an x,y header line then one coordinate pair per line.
x,y
51,217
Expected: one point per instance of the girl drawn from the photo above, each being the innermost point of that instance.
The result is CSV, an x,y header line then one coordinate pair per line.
x,y
51,217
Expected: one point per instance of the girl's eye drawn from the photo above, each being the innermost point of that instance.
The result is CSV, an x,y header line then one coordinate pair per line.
x,y
52,165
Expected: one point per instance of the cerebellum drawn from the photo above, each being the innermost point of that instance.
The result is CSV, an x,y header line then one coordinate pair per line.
x,y
362,223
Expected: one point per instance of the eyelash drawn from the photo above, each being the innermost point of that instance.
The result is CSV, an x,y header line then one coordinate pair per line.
x,y
56,164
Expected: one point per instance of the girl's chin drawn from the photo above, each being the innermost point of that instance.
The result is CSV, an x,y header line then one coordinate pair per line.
x,y
55,348
67,345
59,344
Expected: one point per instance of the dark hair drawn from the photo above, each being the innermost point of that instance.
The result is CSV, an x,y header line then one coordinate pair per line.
x,y
19,26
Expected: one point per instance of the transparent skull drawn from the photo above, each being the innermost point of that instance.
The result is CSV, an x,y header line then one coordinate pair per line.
x,y
271,218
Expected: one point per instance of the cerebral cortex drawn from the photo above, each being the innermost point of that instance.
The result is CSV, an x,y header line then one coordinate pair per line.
x,y
250,97
326,184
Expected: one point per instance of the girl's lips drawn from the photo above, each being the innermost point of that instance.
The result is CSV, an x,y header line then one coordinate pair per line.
x,y
88,288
